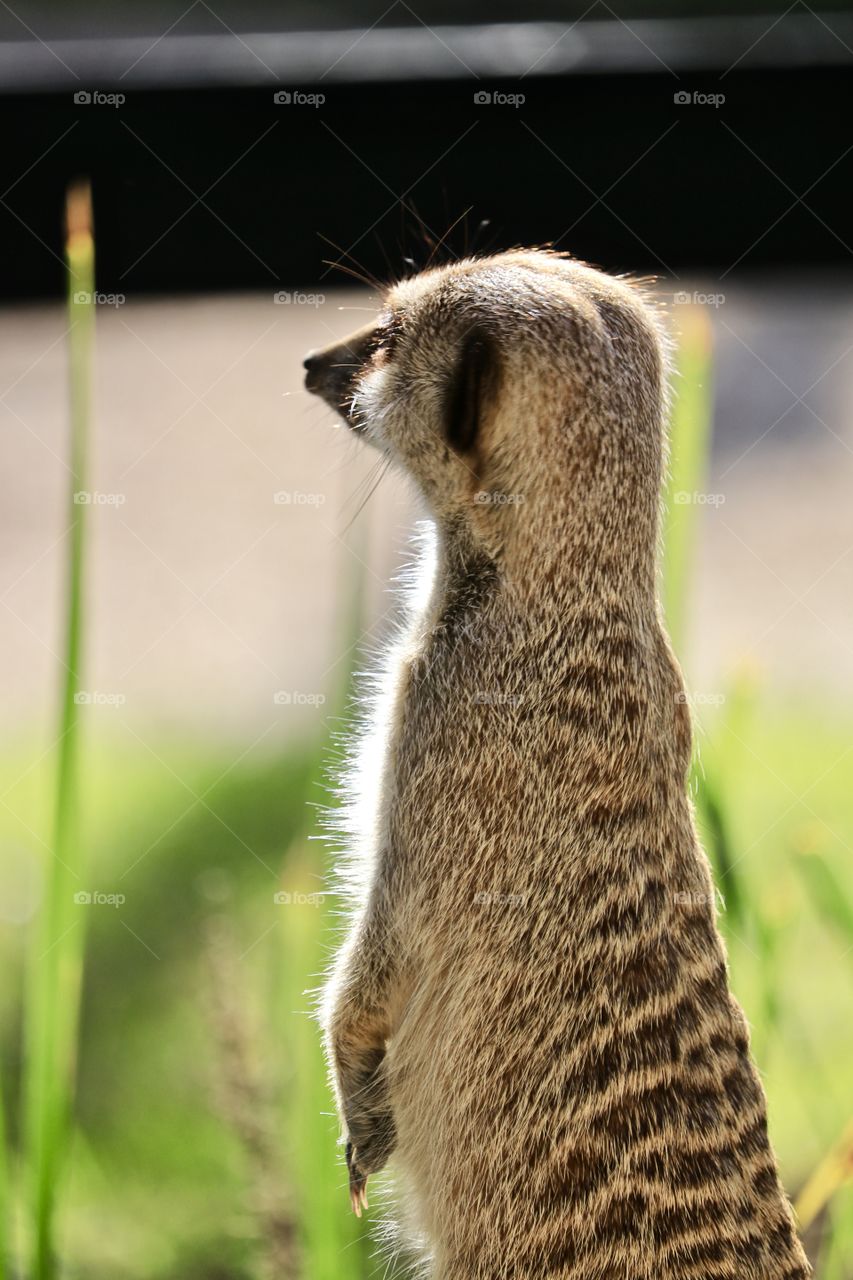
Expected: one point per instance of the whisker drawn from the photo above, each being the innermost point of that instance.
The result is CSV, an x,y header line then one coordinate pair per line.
x,y
364,484
369,495
365,276
452,226
424,234
356,275
391,274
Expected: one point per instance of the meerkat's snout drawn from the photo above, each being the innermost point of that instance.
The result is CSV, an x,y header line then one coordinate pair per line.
x,y
332,372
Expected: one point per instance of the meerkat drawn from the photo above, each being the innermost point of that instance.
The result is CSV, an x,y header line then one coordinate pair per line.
x,y
531,1014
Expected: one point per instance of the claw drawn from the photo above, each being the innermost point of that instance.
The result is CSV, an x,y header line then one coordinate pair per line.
x,y
358,1195
357,1182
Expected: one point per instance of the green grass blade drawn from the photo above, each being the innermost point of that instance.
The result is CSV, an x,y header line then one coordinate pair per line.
x,y
827,893
57,950
330,1232
717,839
333,1240
833,1172
690,436
689,445
836,1261
717,781
5,1207
690,441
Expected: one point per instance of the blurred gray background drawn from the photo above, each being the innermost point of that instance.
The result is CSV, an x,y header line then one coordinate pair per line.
x,y
228,511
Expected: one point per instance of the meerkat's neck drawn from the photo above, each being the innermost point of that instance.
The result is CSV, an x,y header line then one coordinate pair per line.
x,y
573,567
583,530
598,553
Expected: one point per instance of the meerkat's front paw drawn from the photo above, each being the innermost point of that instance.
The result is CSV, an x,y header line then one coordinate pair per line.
x,y
367,1153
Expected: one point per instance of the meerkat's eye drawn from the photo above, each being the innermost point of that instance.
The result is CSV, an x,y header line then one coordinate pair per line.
x,y
388,335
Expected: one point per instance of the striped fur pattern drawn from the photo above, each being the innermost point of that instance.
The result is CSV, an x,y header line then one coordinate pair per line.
x,y
530,1016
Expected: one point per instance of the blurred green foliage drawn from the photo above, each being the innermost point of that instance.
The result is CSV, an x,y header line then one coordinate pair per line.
x,y
160,1184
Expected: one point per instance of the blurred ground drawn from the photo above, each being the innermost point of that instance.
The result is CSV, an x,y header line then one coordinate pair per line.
x,y
221,495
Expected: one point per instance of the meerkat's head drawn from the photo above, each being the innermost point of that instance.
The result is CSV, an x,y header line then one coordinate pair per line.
x,y
509,388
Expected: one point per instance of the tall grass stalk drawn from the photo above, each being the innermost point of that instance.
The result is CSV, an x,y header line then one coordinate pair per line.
x,y
690,444
57,946
4,1194
328,1229
833,1172
333,1239
690,438
722,769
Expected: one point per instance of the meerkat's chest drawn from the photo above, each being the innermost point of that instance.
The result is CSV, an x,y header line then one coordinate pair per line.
x,y
470,760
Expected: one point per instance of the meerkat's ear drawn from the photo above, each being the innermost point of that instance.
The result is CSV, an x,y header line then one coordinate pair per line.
x,y
472,388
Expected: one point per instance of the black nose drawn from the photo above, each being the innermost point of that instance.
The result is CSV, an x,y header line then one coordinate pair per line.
x,y
310,361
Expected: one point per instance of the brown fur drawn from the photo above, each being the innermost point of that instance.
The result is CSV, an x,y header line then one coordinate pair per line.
x,y
531,1013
